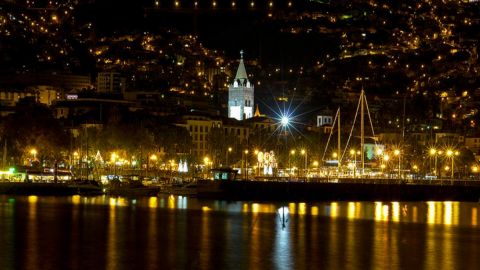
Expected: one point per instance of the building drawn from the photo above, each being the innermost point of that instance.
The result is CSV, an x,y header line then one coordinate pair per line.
x,y
110,82
42,94
66,82
240,94
323,120
199,126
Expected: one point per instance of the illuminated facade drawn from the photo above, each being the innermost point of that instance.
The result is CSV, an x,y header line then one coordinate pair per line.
x,y
240,94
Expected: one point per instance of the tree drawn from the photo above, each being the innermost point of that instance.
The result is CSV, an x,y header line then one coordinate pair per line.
x,y
33,126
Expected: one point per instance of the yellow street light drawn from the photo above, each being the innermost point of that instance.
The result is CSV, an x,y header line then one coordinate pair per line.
x,y
434,152
292,152
113,157
315,163
153,157
451,154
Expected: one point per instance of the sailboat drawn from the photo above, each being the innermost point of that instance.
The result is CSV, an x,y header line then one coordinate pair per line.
x,y
362,107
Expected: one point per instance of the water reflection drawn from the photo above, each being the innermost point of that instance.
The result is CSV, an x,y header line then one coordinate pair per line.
x,y
179,232
32,233
112,235
282,246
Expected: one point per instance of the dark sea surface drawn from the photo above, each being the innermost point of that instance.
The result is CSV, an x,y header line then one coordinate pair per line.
x,y
187,233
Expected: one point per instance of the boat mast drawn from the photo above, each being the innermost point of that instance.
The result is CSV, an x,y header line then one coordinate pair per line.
x,y
339,143
362,131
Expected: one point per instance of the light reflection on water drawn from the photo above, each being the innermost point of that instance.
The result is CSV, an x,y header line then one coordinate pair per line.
x,y
180,232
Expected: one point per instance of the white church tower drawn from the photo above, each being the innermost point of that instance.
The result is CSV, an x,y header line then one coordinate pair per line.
x,y
240,94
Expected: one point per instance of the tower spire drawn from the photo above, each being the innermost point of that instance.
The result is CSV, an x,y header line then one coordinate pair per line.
x,y
241,71
257,112
240,94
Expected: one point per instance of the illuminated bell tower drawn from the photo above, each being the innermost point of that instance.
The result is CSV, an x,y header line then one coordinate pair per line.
x,y
240,94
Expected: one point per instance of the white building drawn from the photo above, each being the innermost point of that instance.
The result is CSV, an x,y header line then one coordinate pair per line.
x,y
240,94
323,120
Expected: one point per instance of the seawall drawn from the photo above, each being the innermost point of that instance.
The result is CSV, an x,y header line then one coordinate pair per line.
x,y
308,191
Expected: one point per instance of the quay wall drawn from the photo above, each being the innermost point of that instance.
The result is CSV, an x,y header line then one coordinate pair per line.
x,y
325,191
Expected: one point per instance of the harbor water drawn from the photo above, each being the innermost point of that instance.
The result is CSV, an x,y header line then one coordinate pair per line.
x,y
175,232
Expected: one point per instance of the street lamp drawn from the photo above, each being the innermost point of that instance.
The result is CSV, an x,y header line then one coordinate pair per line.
x,y
385,158
396,152
246,164
451,154
304,153
229,150
433,153
292,152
